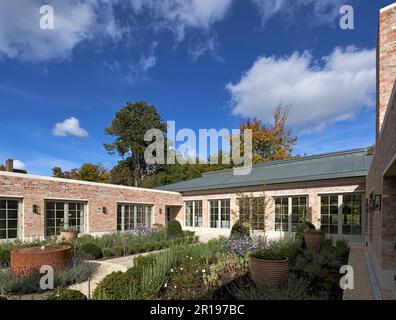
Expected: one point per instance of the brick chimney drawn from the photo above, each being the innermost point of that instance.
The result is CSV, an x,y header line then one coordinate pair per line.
x,y
9,165
386,61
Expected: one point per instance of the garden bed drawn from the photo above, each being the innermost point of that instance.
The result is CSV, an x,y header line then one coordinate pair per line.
x,y
219,270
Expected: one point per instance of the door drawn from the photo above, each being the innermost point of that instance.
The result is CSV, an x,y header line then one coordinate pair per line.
x,y
9,219
342,215
168,214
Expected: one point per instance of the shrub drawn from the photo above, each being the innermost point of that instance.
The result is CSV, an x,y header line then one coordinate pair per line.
x,y
107,252
3,298
280,250
164,244
77,272
295,288
66,294
142,281
302,228
185,282
240,245
328,246
4,257
174,230
91,249
157,246
341,248
135,248
118,251
240,229
115,286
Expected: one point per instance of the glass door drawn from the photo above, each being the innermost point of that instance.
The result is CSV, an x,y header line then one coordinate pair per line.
x,y
342,215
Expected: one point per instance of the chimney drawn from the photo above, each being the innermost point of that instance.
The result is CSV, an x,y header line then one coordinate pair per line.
x,y
386,61
9,165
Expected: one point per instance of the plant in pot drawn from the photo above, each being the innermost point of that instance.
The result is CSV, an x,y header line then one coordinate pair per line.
x,y
68,233
314,239
269,266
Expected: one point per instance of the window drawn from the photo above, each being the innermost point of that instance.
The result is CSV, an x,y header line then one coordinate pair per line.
x,y
63,214
130,216
352,214
9,211
219,213
252,211
290,212
299,212
329,213
193,214
282,214
341,214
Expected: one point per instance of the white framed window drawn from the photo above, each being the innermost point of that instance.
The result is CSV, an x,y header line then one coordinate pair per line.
x,y
64,214
342,214
220,214
130,216
193,214
252,211
290,212
9,219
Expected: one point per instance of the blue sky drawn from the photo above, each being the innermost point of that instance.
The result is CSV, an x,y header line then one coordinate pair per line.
x,y
204,64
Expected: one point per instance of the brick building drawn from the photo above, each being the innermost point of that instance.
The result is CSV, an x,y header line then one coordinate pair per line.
x,y
381,179
349,194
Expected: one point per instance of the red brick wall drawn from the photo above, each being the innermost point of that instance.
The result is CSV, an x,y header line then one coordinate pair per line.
x,y
382,223
310,188
386,61
34,190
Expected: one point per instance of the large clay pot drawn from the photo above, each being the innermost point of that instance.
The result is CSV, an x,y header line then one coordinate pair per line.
x,y
26,261
269,273
314,240
69,235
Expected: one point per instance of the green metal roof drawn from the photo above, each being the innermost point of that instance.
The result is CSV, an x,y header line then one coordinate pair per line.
x,y
345,164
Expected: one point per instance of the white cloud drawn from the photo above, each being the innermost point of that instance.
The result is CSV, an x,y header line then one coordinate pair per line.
x,y
315,11
318,92
149,60
75,21
208,45
180,15
18,164
69,127
80,21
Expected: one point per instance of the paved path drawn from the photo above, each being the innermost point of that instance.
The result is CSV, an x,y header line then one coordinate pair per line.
x,y
362,285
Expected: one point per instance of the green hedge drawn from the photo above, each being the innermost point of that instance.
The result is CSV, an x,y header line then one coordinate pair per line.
x,y
91,249
66,294
4,257
240,229
174,230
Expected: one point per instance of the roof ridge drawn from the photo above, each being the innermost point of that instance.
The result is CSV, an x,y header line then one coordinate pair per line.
x,y
317,156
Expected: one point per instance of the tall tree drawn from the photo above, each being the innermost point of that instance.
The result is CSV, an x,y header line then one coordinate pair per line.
x,y
87,172
129,127
271,141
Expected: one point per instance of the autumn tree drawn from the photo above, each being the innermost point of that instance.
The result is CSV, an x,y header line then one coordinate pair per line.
x,y
129,127
87,172
271,141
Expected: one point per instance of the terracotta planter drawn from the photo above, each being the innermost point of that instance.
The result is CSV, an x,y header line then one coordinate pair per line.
x,y
26,261
268,273
314,241
68,235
